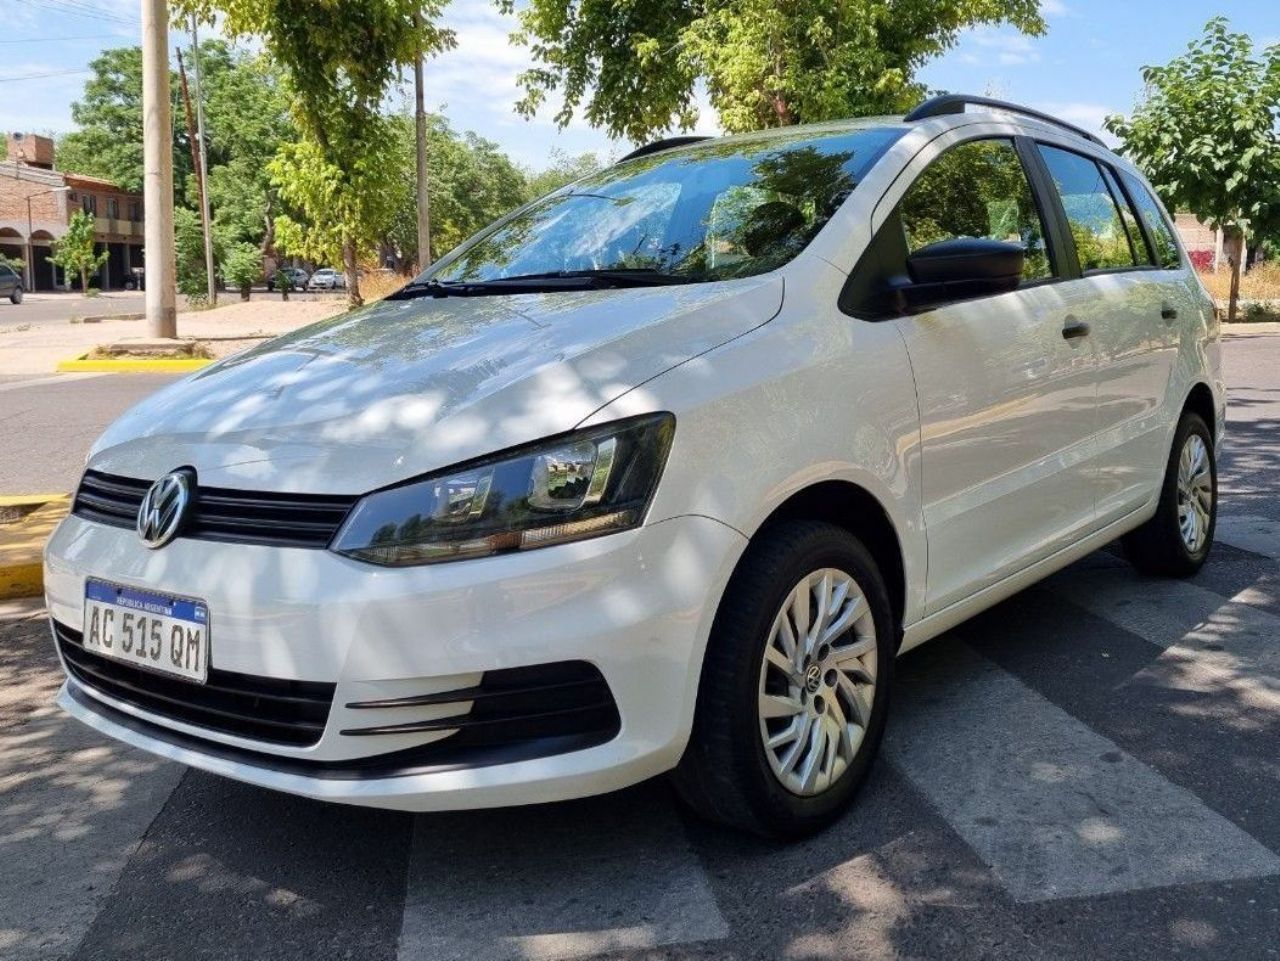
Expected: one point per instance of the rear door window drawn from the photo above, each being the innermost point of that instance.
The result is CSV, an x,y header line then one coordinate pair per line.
x,y
1166,251
1097,227
1129,216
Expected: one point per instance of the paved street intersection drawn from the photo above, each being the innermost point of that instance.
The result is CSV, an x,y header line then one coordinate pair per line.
x,y
1088,771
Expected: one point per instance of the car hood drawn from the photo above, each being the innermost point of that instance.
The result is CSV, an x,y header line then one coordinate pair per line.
x,y
401,388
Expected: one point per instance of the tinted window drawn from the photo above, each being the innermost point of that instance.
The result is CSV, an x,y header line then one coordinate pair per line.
x,y
6,273
723,209
1167,255
1101,241
977,189
1137,243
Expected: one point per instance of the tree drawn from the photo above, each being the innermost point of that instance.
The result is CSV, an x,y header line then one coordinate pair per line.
x,y
472,184
242,268
74,251
1206,134
564,169
109,115
340,57
634,67
247,115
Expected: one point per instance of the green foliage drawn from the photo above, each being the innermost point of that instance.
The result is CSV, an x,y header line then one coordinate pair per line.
x,y
109,115
193,280
564,169
1206,133
471,182
248,117
242,267
634,66
340,56
74,251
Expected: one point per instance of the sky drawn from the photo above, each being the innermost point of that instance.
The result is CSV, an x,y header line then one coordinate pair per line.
x,y
1086,66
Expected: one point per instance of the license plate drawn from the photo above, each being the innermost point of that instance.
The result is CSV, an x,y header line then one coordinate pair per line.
x,y
153,631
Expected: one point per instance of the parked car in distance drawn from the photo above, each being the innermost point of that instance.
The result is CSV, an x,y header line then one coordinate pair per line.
x,y
297,275
326,278
658,475
10,284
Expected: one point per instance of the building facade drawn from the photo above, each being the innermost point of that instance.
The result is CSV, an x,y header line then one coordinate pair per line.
x,y
36,204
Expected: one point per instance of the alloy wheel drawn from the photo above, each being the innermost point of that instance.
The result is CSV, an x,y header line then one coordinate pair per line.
x,y
1195,493
817,681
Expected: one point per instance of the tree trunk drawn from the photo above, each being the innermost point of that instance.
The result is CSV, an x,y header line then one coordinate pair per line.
x,y
244,292
1233,247
84,282
352,273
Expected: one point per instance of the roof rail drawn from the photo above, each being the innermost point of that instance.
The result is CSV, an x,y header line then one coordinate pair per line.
x,y
953,103
667,143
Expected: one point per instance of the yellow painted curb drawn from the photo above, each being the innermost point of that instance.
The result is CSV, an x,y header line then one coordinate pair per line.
x,y
22,541
132,365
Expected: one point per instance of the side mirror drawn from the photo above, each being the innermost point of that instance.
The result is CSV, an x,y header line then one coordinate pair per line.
x,y
958,269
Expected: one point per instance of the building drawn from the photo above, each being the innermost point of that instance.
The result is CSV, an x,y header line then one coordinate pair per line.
x,y
36,204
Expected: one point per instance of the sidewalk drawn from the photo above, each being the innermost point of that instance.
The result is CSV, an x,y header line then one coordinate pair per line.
x,y
38,348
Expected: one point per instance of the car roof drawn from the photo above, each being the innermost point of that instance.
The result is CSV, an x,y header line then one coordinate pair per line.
x,y
951,106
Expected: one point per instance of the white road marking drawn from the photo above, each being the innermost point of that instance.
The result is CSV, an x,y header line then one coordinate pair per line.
x,y
534,884
1210,642
1056,809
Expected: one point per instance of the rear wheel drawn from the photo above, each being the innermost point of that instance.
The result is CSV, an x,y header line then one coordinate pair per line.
x,y
16,296
1176,541
795,684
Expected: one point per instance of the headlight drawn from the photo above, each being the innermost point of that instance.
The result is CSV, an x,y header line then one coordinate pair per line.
x,y
584,484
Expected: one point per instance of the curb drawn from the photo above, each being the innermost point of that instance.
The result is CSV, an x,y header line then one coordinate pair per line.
x,y
26,522
161,365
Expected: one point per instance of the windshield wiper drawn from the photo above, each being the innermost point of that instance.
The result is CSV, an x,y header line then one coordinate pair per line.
x,y
553,280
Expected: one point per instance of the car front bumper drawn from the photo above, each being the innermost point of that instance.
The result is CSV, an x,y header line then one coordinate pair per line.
x,y
636,606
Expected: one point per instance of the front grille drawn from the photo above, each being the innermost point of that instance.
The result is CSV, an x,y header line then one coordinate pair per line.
x,y
261,708
510,706
221,514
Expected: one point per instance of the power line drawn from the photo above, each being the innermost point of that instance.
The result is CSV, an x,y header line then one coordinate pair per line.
x,y
96,36
74,8
41,76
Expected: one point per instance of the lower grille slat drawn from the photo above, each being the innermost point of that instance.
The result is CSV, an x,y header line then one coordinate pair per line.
x,y
262,709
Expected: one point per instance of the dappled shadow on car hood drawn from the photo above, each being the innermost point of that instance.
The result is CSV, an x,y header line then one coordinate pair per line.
x,y
400,388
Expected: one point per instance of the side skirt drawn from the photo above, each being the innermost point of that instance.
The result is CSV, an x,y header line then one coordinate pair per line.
x,y
941,621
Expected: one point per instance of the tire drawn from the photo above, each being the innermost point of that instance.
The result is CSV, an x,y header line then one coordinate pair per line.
x,y
1162,546
727,773
16,296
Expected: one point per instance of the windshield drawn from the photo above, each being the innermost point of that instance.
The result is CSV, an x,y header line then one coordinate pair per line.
x,y
724,209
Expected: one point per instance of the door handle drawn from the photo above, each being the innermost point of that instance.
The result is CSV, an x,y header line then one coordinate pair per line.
x,y
1074,329
1168,312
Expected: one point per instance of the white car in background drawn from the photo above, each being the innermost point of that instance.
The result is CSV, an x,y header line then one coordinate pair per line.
x,y
326,278
657,474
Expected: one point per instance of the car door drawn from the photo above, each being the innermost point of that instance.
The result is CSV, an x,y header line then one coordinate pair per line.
x,y
1006,384
1136,305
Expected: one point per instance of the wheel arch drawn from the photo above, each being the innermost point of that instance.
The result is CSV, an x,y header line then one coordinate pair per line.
x,y
1200,401
854,508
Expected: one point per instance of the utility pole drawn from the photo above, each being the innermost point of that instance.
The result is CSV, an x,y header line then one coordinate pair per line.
x,y
420,122
157,182
203,181
190,117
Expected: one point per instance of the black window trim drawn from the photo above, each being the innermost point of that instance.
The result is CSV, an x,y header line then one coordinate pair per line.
x,y
1121,176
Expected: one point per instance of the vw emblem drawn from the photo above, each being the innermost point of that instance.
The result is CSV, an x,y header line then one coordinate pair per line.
x,y
813,679
162,510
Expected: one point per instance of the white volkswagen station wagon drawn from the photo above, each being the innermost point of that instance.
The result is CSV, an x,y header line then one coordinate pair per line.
x,y
658,474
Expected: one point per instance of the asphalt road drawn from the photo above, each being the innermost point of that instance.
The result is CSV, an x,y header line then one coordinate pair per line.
x,y
1088,771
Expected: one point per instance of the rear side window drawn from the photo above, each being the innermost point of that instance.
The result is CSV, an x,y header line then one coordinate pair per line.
x,y
1097,228
1129,216
1166,251
977,189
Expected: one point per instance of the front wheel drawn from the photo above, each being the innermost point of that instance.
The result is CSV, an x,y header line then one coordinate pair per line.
x,y
795,684
1176,541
